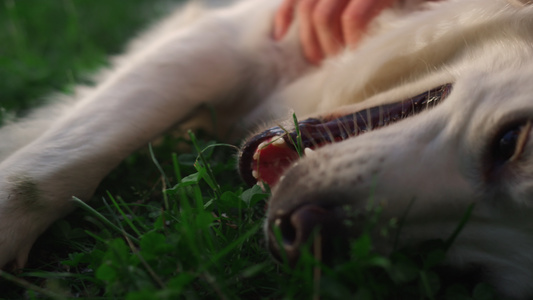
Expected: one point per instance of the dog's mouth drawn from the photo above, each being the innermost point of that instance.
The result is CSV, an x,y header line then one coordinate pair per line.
x,y
265,157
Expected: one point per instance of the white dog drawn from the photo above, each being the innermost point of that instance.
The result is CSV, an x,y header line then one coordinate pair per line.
x,y
472,148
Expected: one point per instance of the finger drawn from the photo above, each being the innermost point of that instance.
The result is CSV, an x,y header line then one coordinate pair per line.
x,y
326,17
283,18
308,37
358,15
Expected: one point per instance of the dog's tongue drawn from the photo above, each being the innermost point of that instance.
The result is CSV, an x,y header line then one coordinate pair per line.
x,y
265,157
271,158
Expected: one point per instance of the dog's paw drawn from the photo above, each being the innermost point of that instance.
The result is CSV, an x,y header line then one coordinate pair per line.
x,y
15,245
25,213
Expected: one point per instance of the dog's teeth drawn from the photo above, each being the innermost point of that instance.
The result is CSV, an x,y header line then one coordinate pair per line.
x,y
262,145
278,142
261,185
309,152
255,174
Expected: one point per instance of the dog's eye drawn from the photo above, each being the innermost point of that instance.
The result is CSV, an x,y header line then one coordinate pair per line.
x,y
507,144
510,143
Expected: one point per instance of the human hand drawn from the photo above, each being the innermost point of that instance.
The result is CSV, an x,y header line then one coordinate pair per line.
x,y
326,26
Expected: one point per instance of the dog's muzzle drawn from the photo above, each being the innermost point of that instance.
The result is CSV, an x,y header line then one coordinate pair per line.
x,y
293,223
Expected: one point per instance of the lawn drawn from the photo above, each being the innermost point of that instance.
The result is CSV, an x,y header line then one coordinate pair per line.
x,y
169,223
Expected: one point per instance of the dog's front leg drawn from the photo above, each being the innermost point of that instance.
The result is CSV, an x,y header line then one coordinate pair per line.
x,y
157,87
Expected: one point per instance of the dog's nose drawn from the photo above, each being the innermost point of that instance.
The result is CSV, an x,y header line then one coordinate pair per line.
x,y
307,226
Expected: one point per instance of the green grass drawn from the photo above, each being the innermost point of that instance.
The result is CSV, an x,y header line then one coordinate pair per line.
x,y
170,224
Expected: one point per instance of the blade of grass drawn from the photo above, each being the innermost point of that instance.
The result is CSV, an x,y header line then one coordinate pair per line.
x,y
226,250
126,206
299,145
211,180
179,178
448,243
124,215
28,286
100,217
426,285
166,182
157,280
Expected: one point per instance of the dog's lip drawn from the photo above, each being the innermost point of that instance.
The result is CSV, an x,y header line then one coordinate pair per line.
x,y
316,132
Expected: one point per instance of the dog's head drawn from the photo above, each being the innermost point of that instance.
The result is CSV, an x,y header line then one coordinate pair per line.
x,y
424,171
423,161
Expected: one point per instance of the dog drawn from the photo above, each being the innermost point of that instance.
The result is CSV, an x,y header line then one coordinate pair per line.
x,y
429,115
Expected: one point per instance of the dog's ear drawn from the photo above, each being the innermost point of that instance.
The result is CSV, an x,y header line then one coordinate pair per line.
x,y
520,3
